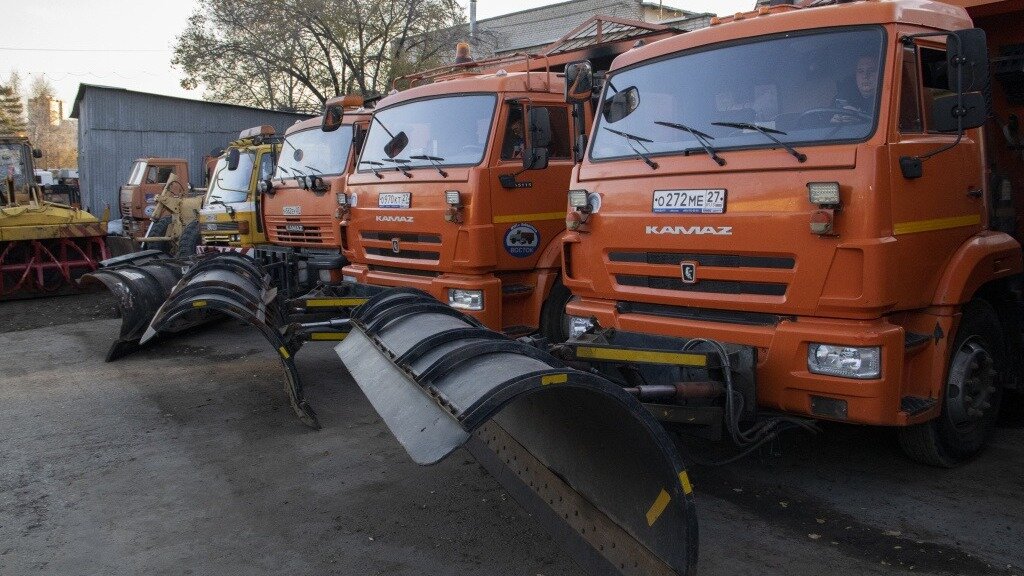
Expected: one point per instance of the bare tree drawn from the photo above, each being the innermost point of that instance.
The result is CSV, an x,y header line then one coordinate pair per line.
x,y
295,54
48,130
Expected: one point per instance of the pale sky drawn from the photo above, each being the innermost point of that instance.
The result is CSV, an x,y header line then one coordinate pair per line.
x,y
127,43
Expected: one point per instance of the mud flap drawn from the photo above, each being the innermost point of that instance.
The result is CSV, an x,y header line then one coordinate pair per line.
x,y
578,452
140,282
234,285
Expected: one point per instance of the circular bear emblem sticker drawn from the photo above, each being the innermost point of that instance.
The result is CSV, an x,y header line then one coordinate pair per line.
x,y
522,240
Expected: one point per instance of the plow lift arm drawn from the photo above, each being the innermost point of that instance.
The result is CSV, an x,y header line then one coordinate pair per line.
x,y
580,453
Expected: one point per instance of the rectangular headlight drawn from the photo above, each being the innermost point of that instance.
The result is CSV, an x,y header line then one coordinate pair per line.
x,y
578,198
466,299
342,199
578,326
822,193
845,361
451,197
348,279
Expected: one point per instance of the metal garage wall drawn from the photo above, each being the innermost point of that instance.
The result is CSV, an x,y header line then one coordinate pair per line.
x,y
116,126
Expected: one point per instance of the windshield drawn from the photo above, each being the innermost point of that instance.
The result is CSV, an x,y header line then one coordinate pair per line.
x,y
13,165
819,87
138,169
229,186
449,131
315,152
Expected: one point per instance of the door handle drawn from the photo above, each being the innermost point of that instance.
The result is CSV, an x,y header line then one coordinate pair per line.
x,y
974,192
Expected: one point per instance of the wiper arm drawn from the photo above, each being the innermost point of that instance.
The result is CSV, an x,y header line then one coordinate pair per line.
x,y
373,164
400,165
630,138
701,138
433,160
768,132
312,168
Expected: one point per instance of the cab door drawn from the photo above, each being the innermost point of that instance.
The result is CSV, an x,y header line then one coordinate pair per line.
x,y
932,215
528,207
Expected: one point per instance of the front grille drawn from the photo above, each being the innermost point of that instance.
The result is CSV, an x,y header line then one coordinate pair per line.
x,y
717,260
401,237
412,254
316,232
409,271
126,208
410,245
711,286
702,314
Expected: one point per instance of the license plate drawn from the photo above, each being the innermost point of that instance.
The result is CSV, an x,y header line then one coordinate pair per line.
x,y
291,211
294,227
690,201
394,200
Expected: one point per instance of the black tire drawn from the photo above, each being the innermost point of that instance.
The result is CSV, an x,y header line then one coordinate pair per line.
x,y
189,240
159,228
554,324
972,395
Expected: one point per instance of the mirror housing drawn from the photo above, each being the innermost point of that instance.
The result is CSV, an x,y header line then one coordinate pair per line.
x,y
579,81
333,115
233,156
538,139
620,105
945,112
967,50
37,153
397,143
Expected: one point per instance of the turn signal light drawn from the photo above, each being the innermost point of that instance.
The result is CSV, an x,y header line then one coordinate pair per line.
x,y
573,220
243,227
823,222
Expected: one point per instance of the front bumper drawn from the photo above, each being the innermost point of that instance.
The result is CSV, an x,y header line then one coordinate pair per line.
x,y
783,380
438,286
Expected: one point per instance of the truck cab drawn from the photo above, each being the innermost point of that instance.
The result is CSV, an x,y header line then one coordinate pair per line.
x,y
793,183
17,175
145,182
305,204
459,191
230,216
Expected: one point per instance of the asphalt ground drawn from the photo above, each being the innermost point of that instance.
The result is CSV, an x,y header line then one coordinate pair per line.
x,y
186,459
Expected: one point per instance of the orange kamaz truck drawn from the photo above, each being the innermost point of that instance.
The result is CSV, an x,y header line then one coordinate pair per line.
x,y
459,190
305,205
832,190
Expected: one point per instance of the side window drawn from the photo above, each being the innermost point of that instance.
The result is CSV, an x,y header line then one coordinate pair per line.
x,y
164,173
151,175
933,77
513,140
910,93
561,136
266,165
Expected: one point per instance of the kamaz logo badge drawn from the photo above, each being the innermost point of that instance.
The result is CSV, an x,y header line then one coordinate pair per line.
x,y
691,230
395,246
689,272
407,219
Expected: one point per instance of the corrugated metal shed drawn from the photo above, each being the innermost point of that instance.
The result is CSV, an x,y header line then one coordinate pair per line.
x,y
116,126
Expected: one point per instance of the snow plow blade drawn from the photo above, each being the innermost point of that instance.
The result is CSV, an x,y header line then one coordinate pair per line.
x,y
140,282
236,286
574,449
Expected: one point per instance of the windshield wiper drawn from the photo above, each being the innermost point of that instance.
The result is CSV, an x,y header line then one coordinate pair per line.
x,y
400,164
373,166
801,157
433,160
630,138
227,208
312,168
701,138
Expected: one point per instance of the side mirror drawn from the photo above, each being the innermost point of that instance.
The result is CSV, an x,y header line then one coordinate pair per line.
x,y
967,50
397,143
536,150
945,111
620,105
333,115
265,187
37,153
233,156
579,81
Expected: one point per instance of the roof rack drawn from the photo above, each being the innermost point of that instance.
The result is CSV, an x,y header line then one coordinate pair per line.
x,y
615,35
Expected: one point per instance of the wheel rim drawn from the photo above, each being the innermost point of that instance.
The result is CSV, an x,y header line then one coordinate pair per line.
x,y
971,384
